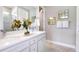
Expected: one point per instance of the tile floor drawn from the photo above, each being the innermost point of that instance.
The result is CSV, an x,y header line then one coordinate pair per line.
x,y
50,47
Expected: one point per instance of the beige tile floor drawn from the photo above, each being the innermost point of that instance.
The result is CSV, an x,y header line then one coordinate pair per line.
x,y
50,47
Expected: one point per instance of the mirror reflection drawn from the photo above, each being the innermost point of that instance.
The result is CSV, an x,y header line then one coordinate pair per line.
x,y
13,16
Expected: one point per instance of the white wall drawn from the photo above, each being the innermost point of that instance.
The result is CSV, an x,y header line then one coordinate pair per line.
x,y
66,36
77,30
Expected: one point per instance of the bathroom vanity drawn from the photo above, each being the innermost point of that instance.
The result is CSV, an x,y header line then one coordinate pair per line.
x,y
33,42
14,39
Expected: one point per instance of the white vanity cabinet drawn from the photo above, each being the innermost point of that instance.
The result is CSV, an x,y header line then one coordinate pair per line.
x,y
41,43
38,43
17,47
25,50
32,44
33,48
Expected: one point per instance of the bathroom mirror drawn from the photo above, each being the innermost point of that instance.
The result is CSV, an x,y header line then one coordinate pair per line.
x,y
10,13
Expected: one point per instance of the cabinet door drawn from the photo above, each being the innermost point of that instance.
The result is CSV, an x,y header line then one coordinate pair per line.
x,y
41,44
25,50
33,48
17,47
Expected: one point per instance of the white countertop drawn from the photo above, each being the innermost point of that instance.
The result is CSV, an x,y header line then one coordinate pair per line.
x,y
9,40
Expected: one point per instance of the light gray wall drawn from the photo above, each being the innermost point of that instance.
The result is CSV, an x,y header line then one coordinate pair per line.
x,y
67,36
77,30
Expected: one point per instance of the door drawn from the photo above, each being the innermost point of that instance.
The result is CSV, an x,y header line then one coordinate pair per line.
x,y
41,44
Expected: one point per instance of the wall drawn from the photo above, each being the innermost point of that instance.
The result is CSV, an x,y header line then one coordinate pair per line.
x,y
77,30
66,36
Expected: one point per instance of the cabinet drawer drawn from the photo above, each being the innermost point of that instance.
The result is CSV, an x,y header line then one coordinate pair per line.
x,y
17,47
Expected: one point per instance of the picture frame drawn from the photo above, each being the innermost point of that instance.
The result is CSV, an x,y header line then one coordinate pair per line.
x,y
63,24
63,14
51,20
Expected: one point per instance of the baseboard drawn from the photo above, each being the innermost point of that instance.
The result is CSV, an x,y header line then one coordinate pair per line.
x,y
62,44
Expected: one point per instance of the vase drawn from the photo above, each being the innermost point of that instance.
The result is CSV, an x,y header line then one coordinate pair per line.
x,y
27,31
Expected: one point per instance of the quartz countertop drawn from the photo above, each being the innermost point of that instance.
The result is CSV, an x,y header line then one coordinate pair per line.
x,y
9,40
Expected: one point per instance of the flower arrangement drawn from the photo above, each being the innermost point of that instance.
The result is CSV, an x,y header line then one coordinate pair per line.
x,y
16,24
26,24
